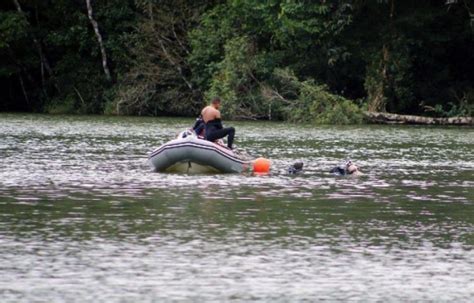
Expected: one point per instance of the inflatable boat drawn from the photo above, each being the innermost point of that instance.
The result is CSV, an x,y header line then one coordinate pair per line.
x,y
192,154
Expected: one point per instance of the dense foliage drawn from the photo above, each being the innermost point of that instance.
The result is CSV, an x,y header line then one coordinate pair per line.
x,y
298,60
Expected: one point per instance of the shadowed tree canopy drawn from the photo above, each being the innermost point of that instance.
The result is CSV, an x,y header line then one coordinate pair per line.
x,y
303,61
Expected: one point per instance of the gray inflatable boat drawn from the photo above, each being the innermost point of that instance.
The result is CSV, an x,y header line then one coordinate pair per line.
x,y
190,154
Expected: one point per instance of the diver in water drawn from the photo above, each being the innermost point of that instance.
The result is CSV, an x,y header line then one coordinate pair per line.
x,y
296,168
348,169
211,116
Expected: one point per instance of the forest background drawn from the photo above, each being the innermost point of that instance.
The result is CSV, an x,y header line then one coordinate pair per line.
x,y
302,61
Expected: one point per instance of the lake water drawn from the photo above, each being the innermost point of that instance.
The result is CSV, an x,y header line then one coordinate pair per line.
x,y
84,219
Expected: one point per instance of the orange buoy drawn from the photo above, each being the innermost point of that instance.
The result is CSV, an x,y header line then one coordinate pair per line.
x,y
261,165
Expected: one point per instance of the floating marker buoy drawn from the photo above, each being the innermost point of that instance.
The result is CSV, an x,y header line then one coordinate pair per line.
x,y
261,165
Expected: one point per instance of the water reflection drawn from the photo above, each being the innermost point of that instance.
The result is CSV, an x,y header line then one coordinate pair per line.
x,y
83,218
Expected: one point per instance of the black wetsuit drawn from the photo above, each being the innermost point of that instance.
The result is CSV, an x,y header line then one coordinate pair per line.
x,y
215,130
199,126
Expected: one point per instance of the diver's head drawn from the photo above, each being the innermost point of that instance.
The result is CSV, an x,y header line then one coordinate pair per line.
x,y
350,167
216,103
296,168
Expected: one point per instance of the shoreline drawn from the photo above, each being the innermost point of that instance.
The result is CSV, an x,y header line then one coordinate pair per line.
x,y
369,118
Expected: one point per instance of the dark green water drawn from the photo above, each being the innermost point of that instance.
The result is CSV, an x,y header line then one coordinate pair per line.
x,y
83,218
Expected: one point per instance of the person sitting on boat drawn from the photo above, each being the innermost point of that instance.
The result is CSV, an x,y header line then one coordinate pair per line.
x,y
213,124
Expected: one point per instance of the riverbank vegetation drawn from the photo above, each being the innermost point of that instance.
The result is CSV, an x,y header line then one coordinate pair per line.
x,y
301,61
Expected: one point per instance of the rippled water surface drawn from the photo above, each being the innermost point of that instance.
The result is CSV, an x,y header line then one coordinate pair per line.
x,y
83,218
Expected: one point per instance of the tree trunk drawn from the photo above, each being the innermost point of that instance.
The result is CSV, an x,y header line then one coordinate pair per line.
x,y
177,66
387,118
471,15
95,25
43,59
378,94
25,94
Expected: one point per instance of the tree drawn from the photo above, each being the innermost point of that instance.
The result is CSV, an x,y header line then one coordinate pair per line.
x,y
163,57
52,65
103,52
240,43
159,82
